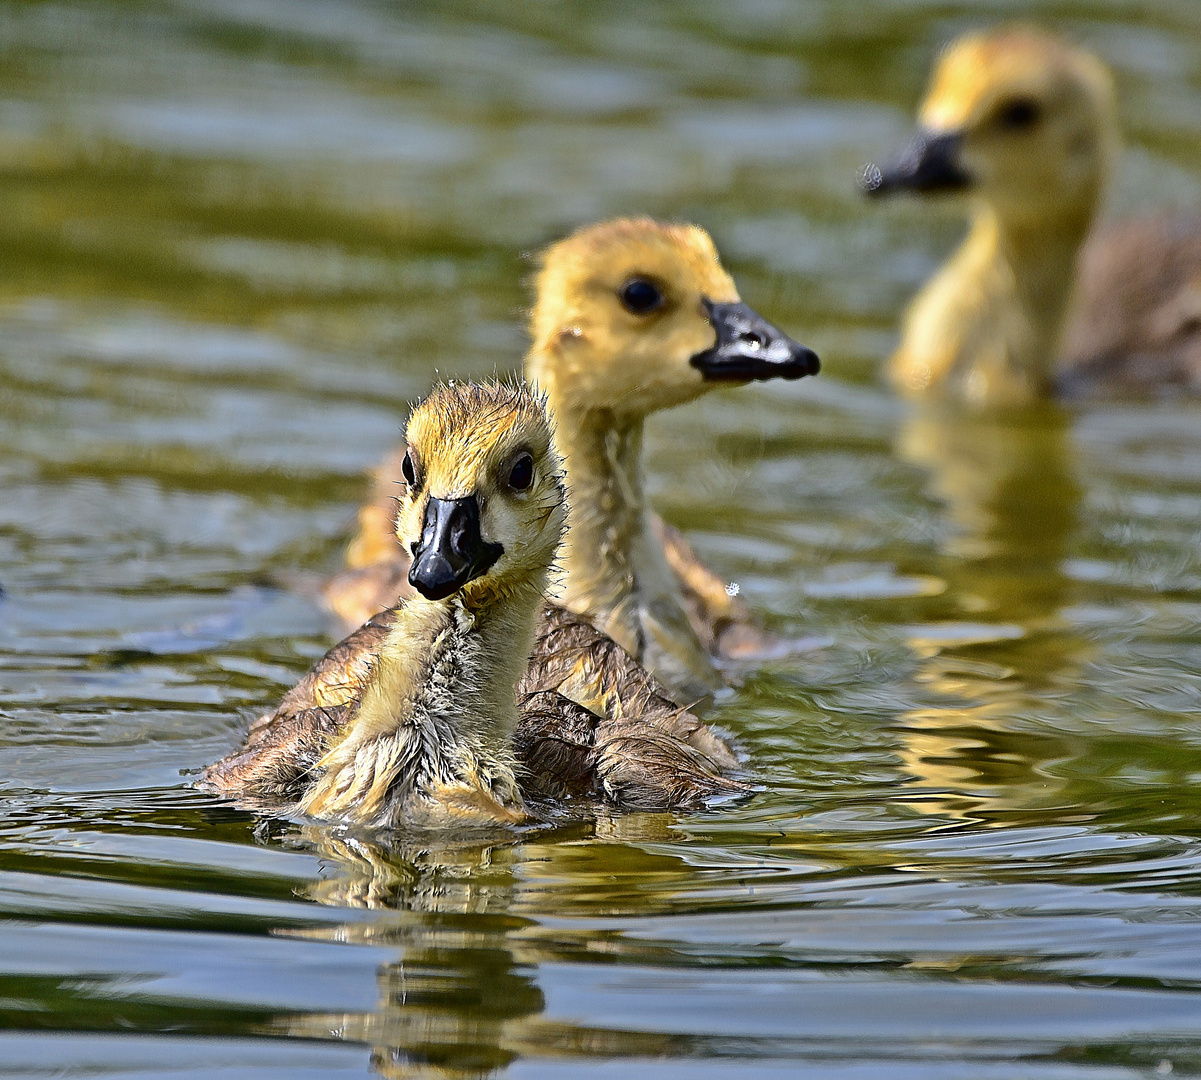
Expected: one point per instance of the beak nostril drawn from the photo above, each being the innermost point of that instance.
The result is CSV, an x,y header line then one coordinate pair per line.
x,y
451,550
749,348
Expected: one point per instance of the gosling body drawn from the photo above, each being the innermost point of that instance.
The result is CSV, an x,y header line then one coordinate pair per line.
x,y
429,714
405,722
1135,323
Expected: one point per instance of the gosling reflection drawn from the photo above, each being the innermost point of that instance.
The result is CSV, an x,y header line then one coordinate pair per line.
x,y
1009,485
467,875
461,1000
446,1004
445,876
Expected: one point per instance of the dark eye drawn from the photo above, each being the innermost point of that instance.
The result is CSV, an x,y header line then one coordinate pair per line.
x,y
407,470
640,296
1019,114
521,476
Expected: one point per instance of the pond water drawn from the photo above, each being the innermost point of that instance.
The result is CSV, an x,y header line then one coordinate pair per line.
x,y
239,235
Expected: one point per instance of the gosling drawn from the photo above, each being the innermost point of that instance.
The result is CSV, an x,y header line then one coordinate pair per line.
x,y
414,719
1025,124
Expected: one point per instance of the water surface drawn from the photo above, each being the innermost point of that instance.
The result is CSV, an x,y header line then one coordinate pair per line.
x,y
240,236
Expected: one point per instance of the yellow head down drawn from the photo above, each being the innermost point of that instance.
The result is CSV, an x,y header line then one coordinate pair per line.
x,y
634,315
484,504
1034,118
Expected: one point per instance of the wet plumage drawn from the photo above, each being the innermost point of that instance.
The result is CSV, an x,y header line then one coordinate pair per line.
x,y
429,714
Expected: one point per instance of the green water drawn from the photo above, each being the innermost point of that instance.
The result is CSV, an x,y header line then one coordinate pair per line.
x,y
237,236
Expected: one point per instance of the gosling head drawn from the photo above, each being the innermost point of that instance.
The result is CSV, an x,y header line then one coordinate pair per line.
x,y
484,503
634,315
1017,116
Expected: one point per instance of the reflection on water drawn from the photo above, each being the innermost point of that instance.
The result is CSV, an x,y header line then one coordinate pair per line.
x,y
1012,496
239,237
1012,500
463,997
432,874
460,993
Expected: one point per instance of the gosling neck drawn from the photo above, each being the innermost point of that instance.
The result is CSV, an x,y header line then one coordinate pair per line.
x,y
431,740
986,328
604,554
1041,256
616,572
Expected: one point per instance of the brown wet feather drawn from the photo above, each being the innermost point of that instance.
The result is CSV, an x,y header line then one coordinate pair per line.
x,y
283,747
568,751
1136,319
639,751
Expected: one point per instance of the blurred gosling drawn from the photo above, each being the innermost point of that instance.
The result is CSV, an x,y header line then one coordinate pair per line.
x,y
1025,125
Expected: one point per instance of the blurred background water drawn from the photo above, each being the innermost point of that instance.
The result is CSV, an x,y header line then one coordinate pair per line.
x,y
239,235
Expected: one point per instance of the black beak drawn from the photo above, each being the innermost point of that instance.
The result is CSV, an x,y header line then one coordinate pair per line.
x,y
749,347
451,551
929,164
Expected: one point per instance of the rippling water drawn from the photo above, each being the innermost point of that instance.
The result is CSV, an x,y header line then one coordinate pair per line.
x,y
239,235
